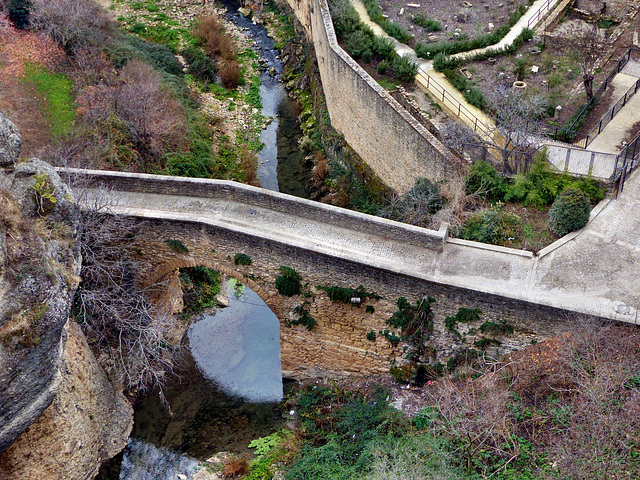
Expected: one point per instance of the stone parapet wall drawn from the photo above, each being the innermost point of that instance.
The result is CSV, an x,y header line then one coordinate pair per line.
x,y
393,143
237,192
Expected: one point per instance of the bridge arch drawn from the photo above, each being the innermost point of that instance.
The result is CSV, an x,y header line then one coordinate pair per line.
x,y
165,270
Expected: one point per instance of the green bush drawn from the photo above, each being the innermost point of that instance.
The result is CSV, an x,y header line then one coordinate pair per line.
x,y
485,181
396,31
428,23
200,64
383,67
344,295
288,283
383,48
200,287
241,259
492,226
345,18
569,212
405,68
358,45
19,11
303,318
592,188
442,61
371,336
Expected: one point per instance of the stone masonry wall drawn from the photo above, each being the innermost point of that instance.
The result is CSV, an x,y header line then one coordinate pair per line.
x,y
337,345
396,146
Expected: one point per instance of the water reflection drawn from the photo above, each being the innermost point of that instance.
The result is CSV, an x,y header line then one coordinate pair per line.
x,y
238,347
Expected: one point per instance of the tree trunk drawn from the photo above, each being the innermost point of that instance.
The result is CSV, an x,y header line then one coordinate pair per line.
x,y
587,79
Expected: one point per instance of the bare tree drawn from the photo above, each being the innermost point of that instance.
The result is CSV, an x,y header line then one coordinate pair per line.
x,y
586,43
72,23
117,318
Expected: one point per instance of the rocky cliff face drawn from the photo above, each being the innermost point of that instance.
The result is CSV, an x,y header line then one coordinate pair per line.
x,y
87,423
58,411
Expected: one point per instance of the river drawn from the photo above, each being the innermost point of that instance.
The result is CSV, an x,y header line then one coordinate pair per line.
x,y
229,378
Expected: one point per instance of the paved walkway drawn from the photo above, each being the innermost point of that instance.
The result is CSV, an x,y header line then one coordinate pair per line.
x,y
594,272
619,129
436,84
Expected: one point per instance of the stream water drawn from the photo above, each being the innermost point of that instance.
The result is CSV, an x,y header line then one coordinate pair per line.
x,y
230,376
282,166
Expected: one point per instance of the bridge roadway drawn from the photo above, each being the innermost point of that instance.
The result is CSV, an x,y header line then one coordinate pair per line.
x,y
594,271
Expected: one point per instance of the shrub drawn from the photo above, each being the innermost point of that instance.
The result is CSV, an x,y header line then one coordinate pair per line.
x,y
592,188
229,73
383,47
370,309
303,318
241,259
72,23
358,45
383,67
485,181
396,31
344,295
371,336
492,226
405,68
210,33
569,212
19,11
428,23
200,287
177,246
494,328
345,17
288,283
200,65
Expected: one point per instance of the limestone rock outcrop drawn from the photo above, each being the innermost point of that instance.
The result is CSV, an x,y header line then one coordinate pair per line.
x,y
87,423
59,414
10,141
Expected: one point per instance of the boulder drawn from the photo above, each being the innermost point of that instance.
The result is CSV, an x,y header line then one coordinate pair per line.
x,y
10,141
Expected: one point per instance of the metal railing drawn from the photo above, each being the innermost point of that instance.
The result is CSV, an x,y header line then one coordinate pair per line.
x,y
507,162
558,133
463,113
596,96
612,112
626,161
538,15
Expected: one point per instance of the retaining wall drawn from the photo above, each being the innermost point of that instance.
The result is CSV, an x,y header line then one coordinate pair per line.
x,y
393,143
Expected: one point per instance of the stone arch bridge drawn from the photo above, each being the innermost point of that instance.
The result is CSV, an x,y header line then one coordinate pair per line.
x,y
591,273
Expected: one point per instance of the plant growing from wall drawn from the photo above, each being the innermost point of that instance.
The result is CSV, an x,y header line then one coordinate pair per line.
x,y
303,317
463,315
371,336
288,282
569,212
241,259
200,287
499,328
415,322
345,295
177,246
43,194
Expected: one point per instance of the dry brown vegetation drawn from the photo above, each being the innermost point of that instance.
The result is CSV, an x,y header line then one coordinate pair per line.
x,y
236,467
217,43
574,399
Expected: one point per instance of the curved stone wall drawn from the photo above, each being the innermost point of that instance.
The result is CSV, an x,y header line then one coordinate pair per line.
x,y
394,144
